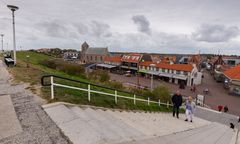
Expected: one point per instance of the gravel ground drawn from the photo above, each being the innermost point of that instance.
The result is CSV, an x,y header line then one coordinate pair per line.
x,y
38,128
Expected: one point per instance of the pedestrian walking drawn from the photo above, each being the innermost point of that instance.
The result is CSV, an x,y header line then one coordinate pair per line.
x,y
194,88
225,108
177,102
190,108
220,107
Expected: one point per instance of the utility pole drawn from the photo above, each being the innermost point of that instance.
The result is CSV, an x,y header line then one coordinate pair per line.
x,y
13,9
2,42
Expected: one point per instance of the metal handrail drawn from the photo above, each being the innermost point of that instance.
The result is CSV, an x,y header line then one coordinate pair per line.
x,y
89,90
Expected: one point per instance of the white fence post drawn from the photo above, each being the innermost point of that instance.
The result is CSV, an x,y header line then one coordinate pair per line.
x,y
159,103
52,88
115,96
148,100
167,104
134,100
89,93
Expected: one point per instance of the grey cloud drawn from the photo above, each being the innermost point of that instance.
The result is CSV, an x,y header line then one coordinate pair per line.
x,y
215,33
142,23
53,28
81,28
100,29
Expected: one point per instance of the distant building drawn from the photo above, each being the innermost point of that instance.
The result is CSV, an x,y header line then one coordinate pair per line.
x,y
231,60
71,55
164,59
174,73
110,63
232,80
184,60
131,61
93,54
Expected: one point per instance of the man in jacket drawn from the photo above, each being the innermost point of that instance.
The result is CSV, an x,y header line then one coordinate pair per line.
x,y
177,102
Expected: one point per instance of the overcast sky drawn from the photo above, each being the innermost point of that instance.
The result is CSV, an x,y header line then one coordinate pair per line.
x,y
160,26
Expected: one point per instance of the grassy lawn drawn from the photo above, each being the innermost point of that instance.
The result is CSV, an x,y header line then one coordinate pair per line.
x,y
33,73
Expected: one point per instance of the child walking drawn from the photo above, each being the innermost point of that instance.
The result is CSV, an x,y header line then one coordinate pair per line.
x,y
190,107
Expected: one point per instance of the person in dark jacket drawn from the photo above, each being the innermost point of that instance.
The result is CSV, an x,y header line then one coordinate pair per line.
x,y
177,102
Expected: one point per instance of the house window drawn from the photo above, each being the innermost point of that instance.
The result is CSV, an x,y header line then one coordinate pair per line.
x,y
91,58
163,70
101,58
178,72
95,58
185,73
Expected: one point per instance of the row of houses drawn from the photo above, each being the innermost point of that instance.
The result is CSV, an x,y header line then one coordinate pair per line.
x,y
169,68
226,69
133,63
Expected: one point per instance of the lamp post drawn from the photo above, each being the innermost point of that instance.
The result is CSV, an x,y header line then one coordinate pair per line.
x,y
13,9
27,57
2,41
152,65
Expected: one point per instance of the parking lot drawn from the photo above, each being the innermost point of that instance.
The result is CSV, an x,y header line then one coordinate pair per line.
x,y
217,94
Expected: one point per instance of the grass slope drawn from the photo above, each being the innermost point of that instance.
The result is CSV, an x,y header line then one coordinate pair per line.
x,y
35,71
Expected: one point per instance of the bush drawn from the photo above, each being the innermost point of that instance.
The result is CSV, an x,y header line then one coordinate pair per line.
x,y
162,93
104,76
49,63
99,75
116,85
69,68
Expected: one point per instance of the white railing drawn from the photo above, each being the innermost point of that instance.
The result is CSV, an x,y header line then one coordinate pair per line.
x,y
115,95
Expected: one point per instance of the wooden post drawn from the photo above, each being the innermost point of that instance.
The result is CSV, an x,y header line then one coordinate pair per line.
x,y
89,92
52,87
148,100
134,100
115,96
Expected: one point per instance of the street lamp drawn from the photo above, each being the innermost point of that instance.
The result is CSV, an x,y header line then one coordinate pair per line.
x,y
13,9
152,65
2,41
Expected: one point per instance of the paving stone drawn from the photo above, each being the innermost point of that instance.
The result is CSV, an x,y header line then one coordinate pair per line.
x,y
37,126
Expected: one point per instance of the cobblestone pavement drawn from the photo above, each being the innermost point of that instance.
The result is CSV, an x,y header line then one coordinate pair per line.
x,y
217,94
37,126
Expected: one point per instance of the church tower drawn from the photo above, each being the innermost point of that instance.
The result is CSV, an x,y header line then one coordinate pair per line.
x,y
84,48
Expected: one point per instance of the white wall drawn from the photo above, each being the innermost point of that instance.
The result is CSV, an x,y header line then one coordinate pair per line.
x,y
198,80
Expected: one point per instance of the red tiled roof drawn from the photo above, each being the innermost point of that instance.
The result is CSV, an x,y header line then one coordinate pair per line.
x,y
180,67
112,59
132,57
233,73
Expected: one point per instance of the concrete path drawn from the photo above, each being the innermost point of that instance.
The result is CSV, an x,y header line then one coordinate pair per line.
x,y
35,125
215,116
92,126
214,133
9,124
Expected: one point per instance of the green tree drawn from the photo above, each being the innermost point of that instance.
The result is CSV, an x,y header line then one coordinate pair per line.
x,y
104,76
162,93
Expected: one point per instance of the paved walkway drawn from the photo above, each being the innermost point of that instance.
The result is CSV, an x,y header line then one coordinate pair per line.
x,y
37,127
9,124
222,118
212,134
84,125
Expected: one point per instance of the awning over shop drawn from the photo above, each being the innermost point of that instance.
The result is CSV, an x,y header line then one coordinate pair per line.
x,y
106,66
180,77
149,72
166,75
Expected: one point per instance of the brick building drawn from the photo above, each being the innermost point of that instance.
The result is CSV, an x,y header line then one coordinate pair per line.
x,y
93,54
